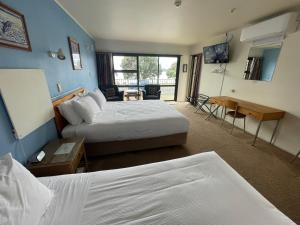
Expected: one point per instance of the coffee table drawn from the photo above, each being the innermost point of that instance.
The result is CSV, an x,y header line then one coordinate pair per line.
x,y
132,93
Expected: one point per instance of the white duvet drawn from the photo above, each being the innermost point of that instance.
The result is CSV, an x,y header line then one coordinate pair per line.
x,y
196,190
131,120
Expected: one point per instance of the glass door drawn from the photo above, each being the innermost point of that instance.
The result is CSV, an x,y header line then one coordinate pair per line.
x,y
126,72
134,71
168,74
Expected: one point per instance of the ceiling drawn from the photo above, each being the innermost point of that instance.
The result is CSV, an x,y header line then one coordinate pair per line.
x,y
160,21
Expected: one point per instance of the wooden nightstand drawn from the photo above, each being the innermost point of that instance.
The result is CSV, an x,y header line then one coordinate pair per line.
x,y
53,164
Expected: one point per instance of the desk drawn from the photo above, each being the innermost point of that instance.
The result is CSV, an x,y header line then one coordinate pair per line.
x,y
259,112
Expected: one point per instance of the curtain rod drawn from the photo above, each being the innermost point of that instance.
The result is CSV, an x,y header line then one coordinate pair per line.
x,y
138,54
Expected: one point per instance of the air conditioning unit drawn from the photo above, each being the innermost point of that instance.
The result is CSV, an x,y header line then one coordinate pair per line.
x,y
271,31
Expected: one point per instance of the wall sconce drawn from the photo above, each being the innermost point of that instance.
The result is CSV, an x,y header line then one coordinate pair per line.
x,y
59,54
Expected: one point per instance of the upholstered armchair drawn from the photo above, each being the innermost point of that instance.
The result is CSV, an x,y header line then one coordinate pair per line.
x,y
112,93
152,91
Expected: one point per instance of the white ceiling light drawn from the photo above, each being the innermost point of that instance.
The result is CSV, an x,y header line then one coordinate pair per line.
x,y
177,3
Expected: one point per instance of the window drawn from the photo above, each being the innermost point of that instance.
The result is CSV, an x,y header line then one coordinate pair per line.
x,y
134,71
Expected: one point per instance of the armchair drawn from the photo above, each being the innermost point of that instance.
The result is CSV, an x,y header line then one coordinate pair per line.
x,y
112,93
152,91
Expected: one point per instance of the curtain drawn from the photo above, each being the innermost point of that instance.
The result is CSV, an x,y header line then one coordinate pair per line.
x,y
104,69
196,80
254,68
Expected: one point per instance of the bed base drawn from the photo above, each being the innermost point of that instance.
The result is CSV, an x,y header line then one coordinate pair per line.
x,y
113,147
107,148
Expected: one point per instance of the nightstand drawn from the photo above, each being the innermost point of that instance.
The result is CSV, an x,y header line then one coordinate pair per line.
x,y
57,164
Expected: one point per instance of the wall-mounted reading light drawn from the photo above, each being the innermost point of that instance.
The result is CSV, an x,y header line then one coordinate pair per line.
x,y
59,54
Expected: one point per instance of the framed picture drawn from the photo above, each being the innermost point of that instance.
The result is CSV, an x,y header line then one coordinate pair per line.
x,y
184,68
75,54
13,31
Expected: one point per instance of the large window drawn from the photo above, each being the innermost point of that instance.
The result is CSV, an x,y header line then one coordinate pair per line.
x,y
133,71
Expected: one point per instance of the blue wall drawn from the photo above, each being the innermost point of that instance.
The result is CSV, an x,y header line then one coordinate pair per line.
x,y
48,27
270,57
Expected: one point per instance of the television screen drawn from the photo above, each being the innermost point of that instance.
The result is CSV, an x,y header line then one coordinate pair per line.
x,y
216,53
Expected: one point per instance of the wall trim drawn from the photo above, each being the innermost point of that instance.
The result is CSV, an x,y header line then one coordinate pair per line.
x,y
73,18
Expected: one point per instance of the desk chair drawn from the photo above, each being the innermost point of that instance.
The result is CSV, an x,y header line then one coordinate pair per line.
x,y
233,113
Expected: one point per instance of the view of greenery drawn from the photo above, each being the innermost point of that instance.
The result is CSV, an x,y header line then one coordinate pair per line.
x,y
171,72
148,67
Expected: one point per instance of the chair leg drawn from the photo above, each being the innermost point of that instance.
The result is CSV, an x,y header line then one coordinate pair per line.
x,y
222,112
244,124
223,119
232,125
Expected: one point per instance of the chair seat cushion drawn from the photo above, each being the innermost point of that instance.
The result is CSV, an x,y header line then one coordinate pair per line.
x,y
151,97
238,115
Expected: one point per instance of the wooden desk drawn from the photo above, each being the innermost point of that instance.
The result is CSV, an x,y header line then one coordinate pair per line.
x,y
259,112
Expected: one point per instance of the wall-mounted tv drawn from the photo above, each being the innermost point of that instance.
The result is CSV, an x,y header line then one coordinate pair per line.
x,y
216,53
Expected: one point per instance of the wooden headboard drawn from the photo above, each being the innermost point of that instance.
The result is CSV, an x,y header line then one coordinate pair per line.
x,y
59,120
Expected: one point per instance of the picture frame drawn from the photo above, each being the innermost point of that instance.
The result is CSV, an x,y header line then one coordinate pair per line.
x,y
75,53
13,29
184,68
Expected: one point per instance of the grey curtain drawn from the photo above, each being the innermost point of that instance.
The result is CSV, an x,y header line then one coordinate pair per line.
x,y
105,69
196,80
254,68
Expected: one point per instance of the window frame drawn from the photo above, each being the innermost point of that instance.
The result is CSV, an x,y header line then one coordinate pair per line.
x,y
137,71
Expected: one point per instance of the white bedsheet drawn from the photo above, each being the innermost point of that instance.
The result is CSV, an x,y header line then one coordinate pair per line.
x,y
131,120
196,190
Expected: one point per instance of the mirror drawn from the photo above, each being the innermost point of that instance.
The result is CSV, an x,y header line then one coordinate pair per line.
x,y
262,62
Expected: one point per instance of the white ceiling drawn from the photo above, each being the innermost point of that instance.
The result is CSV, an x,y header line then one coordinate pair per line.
x,y
160,21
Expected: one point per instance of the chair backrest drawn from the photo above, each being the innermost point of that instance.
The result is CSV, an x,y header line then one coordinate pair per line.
x,y
229,104
111,90
152,89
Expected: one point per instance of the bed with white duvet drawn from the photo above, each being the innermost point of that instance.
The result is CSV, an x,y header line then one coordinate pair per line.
x,y
130,120
196,190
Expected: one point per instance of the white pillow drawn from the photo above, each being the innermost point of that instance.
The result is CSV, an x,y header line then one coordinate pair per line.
x,y
66,109
98,96
23,198
87,108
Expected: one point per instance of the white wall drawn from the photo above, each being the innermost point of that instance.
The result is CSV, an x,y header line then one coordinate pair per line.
x,y
282,92
151,48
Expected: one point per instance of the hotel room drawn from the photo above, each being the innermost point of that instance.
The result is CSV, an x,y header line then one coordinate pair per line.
x,y
149,112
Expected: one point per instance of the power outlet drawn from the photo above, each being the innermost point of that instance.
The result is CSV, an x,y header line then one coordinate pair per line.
x,y
59,88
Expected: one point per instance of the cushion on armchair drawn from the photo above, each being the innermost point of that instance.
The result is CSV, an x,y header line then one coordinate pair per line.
x,y
152,91
110,92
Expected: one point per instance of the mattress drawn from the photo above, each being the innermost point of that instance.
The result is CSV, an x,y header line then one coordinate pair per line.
x,y
201,189
129,121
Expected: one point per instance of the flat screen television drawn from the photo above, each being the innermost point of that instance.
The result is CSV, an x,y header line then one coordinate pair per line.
x,y
216,53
